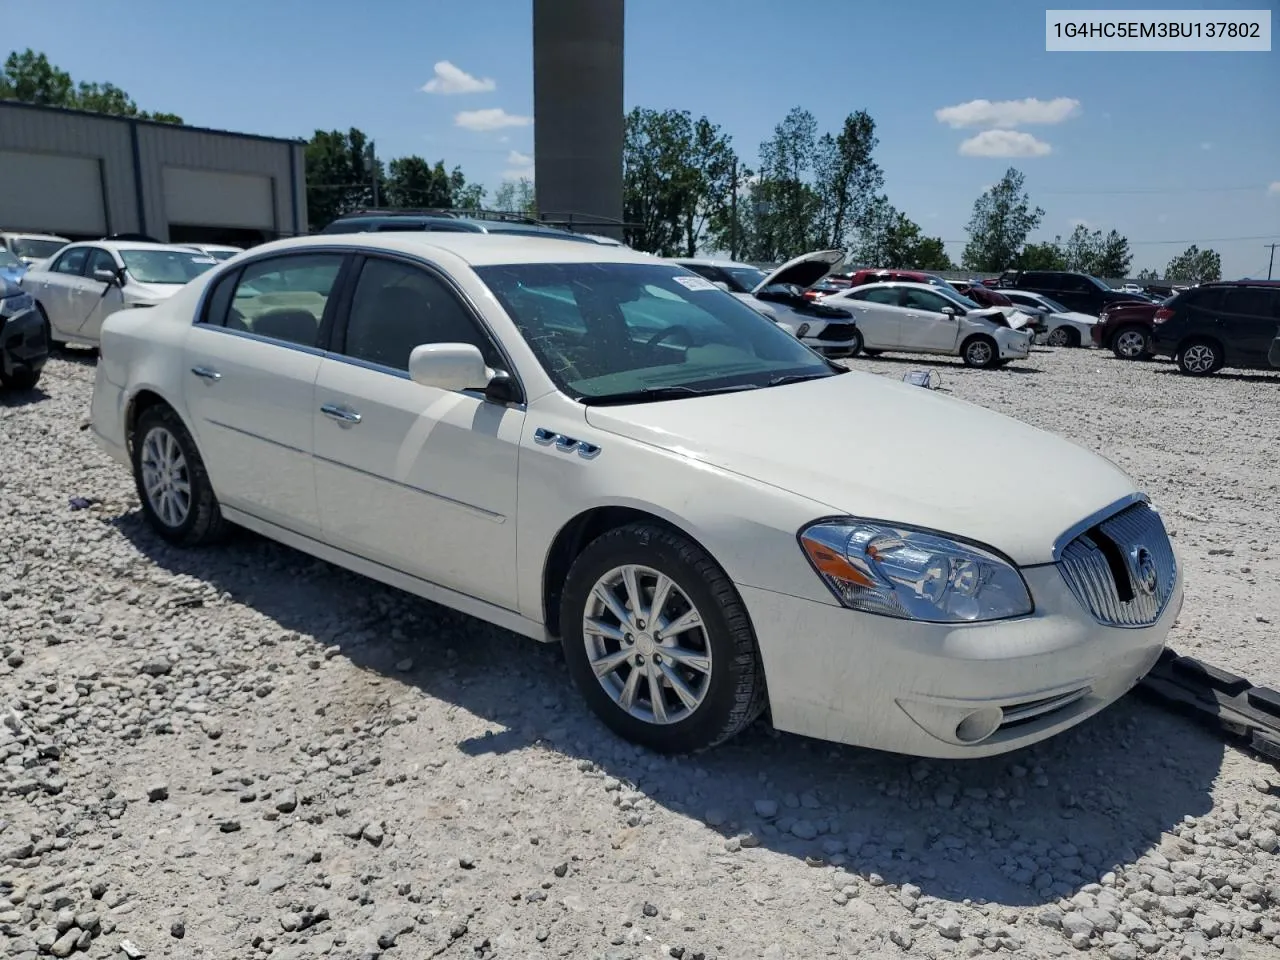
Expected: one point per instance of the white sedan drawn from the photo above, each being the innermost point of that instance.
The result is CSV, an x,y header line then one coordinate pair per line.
x,y
1063,327
779,295
87,282
495,424
923,318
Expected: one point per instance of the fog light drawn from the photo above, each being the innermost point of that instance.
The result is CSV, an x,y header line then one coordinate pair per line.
x,y
979,725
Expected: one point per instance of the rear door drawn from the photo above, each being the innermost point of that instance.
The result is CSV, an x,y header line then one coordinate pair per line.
x,y
878,314
1249,318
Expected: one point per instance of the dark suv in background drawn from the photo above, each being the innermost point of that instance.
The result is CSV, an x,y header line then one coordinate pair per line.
x,y
1216,325
1077,291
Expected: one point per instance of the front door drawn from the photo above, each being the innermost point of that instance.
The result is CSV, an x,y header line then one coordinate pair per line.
x,y
924,326
58,291
98,298
418,479
251,366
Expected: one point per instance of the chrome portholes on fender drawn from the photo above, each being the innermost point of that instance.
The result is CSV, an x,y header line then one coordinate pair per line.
x,y
547,438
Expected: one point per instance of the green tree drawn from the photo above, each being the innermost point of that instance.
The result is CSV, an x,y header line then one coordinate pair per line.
x,y
339,179
1148,274
1194,265
846,179
889,238
414,182
1114,256
677,180
931,254
1002,218
1098,255
516,196
1042,256
31,78
785,204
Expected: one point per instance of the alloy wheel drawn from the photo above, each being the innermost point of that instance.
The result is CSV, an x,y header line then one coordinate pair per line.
x,y
1131,344
1059,337
647,644
979,353
1199,358
165,477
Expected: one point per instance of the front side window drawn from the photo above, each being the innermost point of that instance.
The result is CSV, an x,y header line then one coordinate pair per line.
x,y
72,261
284,298
99,259
165,266
625,332
923,300
397,306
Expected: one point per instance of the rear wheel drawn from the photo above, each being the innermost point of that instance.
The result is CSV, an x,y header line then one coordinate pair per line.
x,y
980,352
177,498
658,641
1063,336
1199,358
1131,343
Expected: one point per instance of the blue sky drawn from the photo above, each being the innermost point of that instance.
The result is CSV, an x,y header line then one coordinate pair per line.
x,y
1162,146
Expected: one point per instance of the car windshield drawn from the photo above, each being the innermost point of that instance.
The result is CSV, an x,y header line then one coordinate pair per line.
x,y
221,255
165,266
1096,282
7,259
744,279
1053,305
951,293
630,332
36,249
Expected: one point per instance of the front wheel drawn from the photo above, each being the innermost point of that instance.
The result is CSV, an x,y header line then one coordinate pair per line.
x,y
658,641
1063,337
980,352
177,497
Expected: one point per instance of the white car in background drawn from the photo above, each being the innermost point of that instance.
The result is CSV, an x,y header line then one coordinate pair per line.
x,y
219,251
493,423
1063,327
922,318
32,248
86,282
779,295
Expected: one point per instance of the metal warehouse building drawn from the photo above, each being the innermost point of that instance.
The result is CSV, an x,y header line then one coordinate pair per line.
x,y
87,175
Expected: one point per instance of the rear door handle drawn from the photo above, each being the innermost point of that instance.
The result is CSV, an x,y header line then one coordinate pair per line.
x,y
205,373
341,414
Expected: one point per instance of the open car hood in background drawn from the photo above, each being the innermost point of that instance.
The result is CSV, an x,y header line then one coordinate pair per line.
x,y
804,271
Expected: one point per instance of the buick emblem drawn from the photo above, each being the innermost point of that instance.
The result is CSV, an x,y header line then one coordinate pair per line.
x,y
1145,568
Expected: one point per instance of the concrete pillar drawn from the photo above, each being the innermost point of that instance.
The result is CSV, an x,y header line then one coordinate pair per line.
x,y
577,110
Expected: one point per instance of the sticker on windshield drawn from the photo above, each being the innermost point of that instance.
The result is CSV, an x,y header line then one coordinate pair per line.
x,y
203,260
695,283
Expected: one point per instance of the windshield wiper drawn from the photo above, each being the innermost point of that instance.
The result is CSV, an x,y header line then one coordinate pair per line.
x,y
649,394
801,378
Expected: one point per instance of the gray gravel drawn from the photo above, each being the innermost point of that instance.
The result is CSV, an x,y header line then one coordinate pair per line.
x,y
228,753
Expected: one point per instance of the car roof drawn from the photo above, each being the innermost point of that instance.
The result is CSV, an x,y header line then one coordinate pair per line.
x,y
476,249
910,284
118,245
34,236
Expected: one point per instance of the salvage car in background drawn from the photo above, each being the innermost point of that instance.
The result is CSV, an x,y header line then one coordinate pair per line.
x,y
219,251
780,296
639,497
1060,327
24,343
86,282
923,318
32,248
1078,291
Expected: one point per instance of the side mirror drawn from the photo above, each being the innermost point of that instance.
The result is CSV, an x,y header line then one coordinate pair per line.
x,y
949,311
106,276
449,366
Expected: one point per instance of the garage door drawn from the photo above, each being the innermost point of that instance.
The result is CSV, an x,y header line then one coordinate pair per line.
x,y
47,193
216,199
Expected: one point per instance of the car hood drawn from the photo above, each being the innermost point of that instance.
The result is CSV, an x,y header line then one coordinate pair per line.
x,y
804,271
903,454
1075,317
136,291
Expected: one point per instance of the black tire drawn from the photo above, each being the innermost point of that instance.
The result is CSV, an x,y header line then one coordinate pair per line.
x,y
871,353
1124,343
1199,357
1063,336
23,379
203,522
735,694
980,352
857,344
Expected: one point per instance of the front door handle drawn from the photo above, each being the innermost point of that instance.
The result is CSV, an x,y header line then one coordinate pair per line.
x,y
341,414
206,373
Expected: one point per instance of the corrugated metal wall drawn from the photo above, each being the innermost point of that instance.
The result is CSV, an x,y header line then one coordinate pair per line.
x,y
134,155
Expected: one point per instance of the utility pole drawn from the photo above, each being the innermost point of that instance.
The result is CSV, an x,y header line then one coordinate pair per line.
x,y
373,170
1272,261
733,213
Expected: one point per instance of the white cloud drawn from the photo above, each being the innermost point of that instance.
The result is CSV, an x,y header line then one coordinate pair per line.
x,y
1004,143
519,166
1007,114
517,159
449,79
1274,189
493,118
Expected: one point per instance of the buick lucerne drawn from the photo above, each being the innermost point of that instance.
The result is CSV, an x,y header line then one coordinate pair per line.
x,y
594,447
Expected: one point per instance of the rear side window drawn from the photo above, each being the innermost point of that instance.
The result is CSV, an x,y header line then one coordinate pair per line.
x,y
1248,302
284,298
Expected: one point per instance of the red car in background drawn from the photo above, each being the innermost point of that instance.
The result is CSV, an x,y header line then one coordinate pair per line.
x,y
980,293
861,277
1126,328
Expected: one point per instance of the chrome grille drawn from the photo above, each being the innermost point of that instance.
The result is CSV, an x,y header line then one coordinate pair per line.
x,y
1122,569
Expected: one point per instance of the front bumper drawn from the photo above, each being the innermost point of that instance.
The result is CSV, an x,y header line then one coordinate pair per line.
x,y
905,686
1014,348
842,348
23,344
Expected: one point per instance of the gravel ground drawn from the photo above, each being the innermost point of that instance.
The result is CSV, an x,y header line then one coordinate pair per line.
x,y
242,752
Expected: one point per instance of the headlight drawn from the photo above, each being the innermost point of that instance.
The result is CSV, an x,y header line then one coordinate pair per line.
x,y
803,331
12,306
913,574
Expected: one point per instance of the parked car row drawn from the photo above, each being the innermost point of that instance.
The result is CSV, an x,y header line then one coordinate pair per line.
x,y
599,448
